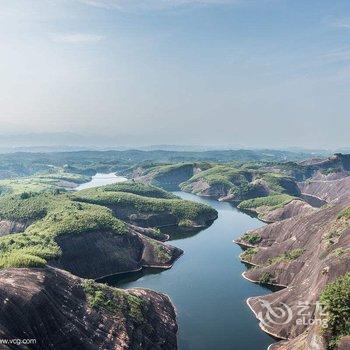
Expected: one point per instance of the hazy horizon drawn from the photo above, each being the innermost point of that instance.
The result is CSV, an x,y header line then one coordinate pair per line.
x,y
211,73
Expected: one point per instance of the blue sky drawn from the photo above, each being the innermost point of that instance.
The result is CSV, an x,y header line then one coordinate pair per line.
x,y
264,73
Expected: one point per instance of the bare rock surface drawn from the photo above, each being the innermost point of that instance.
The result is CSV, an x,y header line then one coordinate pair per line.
x,y
102,253
328,190
302,253
53,307
10,226
293,208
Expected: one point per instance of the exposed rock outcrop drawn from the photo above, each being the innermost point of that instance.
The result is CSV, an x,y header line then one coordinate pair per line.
x,y
229,184
328,190
303,253
166,176
57,310
102,253
10,226
294,208
338,161
161,219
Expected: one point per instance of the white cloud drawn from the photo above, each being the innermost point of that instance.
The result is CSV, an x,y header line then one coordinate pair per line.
x,y
341,23
337,55
76,38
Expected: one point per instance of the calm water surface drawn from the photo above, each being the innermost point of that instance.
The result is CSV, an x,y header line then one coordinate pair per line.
x,y
206,285
101,179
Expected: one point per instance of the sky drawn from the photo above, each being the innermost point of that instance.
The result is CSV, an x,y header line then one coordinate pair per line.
x,y
231,73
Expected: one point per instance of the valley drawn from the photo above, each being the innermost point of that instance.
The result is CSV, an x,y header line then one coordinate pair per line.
x,y
65,229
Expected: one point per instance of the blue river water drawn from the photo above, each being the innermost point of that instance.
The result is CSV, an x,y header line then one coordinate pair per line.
x,y
206,286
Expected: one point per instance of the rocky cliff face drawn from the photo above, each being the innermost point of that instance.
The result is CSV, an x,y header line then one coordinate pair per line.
x,y
64,312
327,190
338,161
303,254
99,254
166,176
11,226
160,219
293,208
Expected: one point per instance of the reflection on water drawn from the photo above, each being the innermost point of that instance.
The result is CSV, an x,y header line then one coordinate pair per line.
x,y
206,285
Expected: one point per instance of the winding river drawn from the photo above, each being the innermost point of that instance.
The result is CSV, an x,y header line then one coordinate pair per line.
x,y
206,285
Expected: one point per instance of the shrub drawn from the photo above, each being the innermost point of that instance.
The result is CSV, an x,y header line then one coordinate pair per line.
x,y
266,278
115,300
273,201
286,256
20,259
336,300
248,254
140,189
182,209
345,213
252,238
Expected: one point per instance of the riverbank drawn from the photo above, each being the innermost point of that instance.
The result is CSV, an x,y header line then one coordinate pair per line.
x,y
206,286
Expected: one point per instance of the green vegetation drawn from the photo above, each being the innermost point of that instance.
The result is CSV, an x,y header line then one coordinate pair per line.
x,y
266,278
53,215
336,300
185,223
329,171
140,189
338,227
233,180
340,251
156,233
286,256
251,238
40,182
182,209
299,172
162,253
273,202
169,176
167,168
20,259
115,300
90,162
25,207
279,183
241,181
248,254
332,236
344,214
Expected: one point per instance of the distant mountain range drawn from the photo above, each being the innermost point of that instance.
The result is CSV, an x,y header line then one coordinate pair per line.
x,y
65,141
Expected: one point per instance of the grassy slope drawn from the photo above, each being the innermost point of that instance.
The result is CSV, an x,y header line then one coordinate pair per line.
x,y
140,189
184,210
54,216
238,180
40,182
223,175
116,301
273,202
59,214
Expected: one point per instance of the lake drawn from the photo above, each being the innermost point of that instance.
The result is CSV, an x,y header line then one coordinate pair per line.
x,y
206,285
101,179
